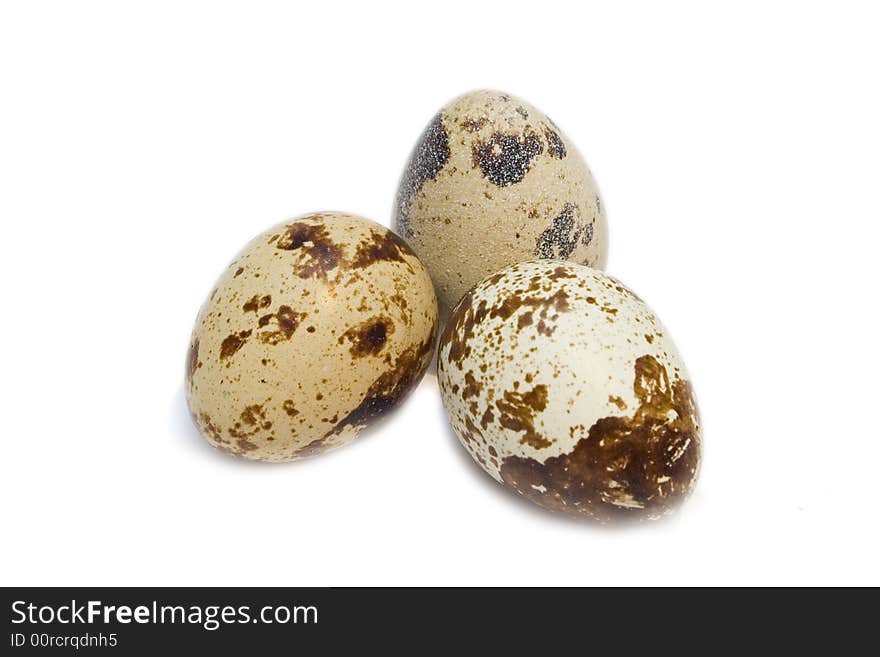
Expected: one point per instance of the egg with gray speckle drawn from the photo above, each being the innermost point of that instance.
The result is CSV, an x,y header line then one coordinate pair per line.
x,y
564,386
491,182
319,326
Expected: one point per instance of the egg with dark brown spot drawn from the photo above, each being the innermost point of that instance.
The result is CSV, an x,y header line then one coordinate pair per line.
x,y
491,182
319,326
565,387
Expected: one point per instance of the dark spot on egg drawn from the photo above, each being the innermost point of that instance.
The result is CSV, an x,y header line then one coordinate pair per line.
x,y
192,361
625,466
471,386
555,146
233,343
473,125
286,321
517,411
256,302
392,386
505,159
209,429
369,337
518,299
428,158
382,246
253,415
319,254
459,327
562,272
564,234
246,445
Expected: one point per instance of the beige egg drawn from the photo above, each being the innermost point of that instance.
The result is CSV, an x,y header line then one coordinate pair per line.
x,y
491,182
319,326
564,386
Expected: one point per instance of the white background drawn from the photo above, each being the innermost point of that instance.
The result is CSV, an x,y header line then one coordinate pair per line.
x,y
142,144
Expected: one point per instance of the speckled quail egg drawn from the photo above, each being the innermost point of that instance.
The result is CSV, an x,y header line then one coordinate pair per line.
x,y
491,182
564,386
320,325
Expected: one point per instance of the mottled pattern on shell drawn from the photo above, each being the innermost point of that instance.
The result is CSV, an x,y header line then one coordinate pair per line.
x,y
491,182
564,386
317,328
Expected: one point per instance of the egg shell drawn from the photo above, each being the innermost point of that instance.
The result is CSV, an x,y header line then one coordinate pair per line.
x,y
318,327
491,182
564,386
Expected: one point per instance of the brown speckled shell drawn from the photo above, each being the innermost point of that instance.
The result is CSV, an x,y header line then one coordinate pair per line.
x,y
491,182
319,326
564,386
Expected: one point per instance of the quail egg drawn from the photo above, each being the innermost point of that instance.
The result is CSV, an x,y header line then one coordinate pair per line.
x,y
318,327
564,386
491,182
